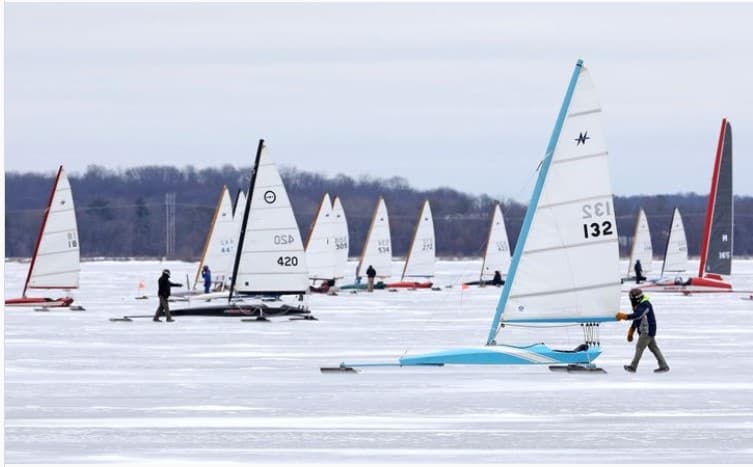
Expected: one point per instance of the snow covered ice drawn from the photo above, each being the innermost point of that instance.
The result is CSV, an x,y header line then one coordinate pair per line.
x,y
82,389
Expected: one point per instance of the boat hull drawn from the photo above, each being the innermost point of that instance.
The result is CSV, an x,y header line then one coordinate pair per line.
x,y
536,354
409,285
235,310
39,301
484,283
362,286
709,283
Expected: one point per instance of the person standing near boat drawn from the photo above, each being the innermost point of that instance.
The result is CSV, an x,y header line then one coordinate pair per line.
x,y
497,279
163,292
207,275
638,268
370,275
644,321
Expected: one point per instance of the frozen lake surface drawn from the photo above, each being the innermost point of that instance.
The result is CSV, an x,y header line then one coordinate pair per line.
x,y
82,389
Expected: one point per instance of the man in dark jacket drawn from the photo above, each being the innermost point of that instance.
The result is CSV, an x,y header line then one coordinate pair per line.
x,y
207,275
163,292
638,268
370,274
644,322
497,279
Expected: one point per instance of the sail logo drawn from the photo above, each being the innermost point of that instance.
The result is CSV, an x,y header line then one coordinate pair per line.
x,y
725,238
582,138
270,197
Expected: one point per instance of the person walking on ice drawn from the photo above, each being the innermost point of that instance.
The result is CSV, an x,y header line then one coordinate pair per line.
x,y
163,292
644,321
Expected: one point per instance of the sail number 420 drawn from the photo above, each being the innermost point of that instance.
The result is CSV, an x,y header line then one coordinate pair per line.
x,y
287,261
285,239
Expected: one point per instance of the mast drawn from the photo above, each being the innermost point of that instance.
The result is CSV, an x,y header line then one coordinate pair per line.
x,y
209,236
244,222
41,229
532,205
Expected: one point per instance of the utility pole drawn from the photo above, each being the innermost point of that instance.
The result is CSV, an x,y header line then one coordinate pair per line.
x,y
169,225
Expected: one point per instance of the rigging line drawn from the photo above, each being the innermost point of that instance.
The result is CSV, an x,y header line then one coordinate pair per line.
x,y
527,183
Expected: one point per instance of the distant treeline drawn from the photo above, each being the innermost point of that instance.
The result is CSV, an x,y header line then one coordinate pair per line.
x,y
122,213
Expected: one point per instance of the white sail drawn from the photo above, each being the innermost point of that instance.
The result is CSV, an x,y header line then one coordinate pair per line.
x,y
676,254
342,239
219,248
240,204
238,209
56,262
642,249
272,259
377,249
497,255
320,245
565,266
422,256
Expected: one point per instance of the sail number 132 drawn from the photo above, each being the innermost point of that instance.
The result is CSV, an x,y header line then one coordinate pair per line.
x,y
597,229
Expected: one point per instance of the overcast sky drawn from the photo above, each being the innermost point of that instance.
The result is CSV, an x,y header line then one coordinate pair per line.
x,y
456,95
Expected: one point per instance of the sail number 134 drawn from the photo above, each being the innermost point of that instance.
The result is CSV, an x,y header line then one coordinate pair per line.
x,y
597,228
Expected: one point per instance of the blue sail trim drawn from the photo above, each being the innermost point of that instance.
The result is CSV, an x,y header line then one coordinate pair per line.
x,y
536,354
533,203
598,319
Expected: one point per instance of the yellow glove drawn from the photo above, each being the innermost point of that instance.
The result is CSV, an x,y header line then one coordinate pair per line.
x,y
631,330
620,316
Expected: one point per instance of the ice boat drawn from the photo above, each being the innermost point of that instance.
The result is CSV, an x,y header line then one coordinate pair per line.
x,y
55,263
565,268
642,249
716,244
377,248
675,253
497,251
321,252
269,270
218,252
421,260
